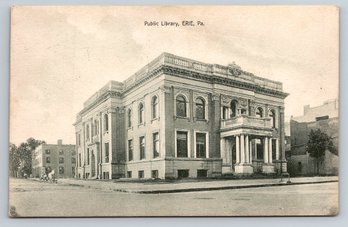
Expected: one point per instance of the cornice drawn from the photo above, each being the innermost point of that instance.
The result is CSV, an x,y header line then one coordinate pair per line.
x,y
189,74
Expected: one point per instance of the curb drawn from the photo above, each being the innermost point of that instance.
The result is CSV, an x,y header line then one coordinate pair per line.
x,y
222,188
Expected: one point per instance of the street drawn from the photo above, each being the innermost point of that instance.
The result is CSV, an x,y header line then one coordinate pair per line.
x,y
30,198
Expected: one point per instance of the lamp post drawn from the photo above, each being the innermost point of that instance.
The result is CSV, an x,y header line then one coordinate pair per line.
x,y
282,146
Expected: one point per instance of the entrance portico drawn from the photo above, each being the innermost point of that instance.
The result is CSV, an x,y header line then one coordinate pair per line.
x,y
248,149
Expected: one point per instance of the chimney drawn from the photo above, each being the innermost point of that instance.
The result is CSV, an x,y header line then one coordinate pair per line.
x,y
306,109
60,142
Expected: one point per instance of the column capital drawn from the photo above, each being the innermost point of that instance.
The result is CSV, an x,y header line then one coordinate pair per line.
x,y
111,110
281,109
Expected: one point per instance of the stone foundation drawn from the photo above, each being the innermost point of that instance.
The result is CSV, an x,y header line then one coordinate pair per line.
x,y
244,169
268,169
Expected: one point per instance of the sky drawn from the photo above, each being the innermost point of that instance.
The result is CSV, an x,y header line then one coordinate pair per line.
x,y
60,56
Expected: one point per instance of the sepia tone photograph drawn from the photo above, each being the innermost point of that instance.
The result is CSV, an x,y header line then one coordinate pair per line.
x,y
151,111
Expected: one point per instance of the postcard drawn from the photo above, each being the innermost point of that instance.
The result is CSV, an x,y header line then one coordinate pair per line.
x,y
128,111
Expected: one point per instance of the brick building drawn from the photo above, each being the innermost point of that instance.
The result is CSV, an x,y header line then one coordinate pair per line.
x,y
59,157
325,118
177,118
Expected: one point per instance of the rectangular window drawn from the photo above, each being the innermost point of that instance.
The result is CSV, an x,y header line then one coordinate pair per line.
x,y
61,160
47,151
155,145
202,173
141,174
61,170
106,158
130,150
322,118
183,173
154,174
106,123
142,147
73,160
48,160
181,143
79,160
61,152
87,156
200,145
129,174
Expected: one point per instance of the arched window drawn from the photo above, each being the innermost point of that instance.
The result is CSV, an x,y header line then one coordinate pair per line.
x,y
200,109
129,118
154,104
181,106
273,119
259,112
106,122
234,108
141,113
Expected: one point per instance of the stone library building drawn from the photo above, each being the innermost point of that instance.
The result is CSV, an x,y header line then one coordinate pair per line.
x,y
181,118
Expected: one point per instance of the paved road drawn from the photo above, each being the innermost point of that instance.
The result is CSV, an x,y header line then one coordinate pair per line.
x,y
32,198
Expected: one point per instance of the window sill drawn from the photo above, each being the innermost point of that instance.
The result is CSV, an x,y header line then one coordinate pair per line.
x,y
141,125
180,117
201,120
155,119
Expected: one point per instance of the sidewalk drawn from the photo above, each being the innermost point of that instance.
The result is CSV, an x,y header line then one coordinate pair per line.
x,y
182,186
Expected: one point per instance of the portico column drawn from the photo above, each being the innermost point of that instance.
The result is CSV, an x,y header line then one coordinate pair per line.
x,y
270,151
242,150
250,152
265,150
247,149
237,150
277,149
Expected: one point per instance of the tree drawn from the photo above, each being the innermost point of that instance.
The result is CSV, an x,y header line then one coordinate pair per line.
x,y
318,143
14,160
25,151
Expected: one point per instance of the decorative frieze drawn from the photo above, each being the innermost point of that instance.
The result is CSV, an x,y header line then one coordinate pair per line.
x,y
243,102
165,89
215,97
226,100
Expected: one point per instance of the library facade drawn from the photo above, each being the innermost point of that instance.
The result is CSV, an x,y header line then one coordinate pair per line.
x,y
178,118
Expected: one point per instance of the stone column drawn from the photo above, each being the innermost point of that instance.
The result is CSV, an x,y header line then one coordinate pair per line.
x,y
250,152
277,149
270,151
242,150
255,147
247,160
265,150
237,150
